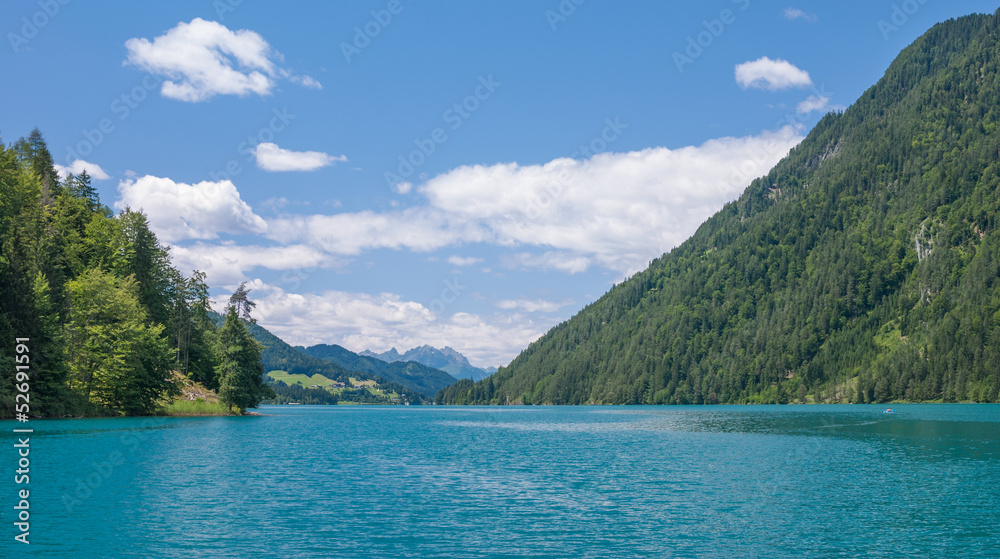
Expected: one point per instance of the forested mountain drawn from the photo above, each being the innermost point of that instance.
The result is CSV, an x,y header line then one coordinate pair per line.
x,y
94,320
864,267
447,360
424,379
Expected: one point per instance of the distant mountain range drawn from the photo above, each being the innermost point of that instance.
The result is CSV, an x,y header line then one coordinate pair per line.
x,y
420,377
447,360
339,364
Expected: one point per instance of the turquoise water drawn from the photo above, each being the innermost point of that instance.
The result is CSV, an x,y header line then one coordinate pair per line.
x,y
758,481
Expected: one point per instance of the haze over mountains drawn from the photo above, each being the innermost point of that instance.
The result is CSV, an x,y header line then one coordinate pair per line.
x,y
447,359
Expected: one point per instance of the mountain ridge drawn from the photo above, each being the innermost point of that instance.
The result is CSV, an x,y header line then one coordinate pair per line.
x,y
425,379
448,360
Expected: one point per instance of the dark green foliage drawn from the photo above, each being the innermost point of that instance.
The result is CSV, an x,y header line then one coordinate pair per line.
x,y
240,373
105,314
194,332
32,277
864,267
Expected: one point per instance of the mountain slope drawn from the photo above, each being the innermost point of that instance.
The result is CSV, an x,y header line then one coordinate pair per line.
x,y
447,360
417,376
864,267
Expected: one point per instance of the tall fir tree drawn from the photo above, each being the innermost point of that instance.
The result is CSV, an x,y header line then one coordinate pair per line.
x,y
240,372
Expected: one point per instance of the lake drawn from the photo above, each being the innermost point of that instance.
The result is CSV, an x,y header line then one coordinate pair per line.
x,y
724,481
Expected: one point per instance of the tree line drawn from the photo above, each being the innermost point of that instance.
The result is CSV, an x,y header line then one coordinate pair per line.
x,y
109,320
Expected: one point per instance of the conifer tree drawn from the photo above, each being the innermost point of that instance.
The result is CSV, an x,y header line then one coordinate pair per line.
x,y
240,372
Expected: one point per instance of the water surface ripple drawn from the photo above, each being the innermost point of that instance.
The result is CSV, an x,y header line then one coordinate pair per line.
x,y
748,481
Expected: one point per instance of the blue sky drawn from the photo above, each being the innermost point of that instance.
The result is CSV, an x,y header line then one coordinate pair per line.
x,y
392,173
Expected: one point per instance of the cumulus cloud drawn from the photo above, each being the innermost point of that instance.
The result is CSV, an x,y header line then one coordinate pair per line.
x,y
78,166
616,209
270,157
772,75
179,211
360,321
229,263
202,59
795,13
420,229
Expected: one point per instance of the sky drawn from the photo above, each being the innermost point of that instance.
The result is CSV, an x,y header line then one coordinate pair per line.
x,y
393,173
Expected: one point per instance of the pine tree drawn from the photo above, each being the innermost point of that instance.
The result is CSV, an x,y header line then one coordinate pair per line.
x,y
35,156
80,187
240,372
241,301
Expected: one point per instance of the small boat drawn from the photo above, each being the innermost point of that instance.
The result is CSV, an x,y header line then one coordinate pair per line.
x,y
888,410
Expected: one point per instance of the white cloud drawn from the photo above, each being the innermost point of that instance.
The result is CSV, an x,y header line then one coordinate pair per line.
x,y
202,59
360,321
795,13
229,264
419,229
615,210
813,103
618,210
455,260
179,211
270,157
772,75
567,262
532,306
78,166
307,81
